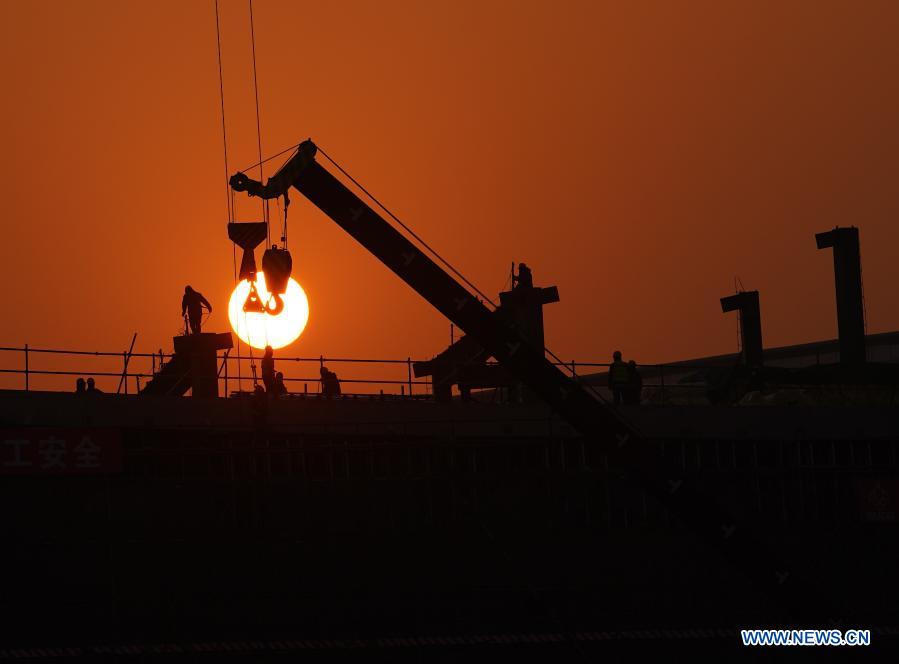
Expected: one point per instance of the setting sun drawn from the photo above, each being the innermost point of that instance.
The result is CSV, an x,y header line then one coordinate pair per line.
x,y
259,329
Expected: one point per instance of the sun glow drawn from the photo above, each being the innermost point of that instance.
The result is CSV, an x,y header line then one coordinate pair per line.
x,y
261,330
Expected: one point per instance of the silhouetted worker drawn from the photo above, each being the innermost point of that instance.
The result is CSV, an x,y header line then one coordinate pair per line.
x,y
618,376
634,389
330,384
193,303
91,387
278,387
268,368
524,278
259,406
80,386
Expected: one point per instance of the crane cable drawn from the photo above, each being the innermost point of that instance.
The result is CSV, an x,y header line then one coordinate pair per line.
x,y
258,128
218,37
229,193
407,229
292,148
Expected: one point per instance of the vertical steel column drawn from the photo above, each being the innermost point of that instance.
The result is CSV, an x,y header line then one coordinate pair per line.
x,y
409,373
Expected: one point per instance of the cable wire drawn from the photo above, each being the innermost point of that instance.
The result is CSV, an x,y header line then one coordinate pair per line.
x,y
268,159
258,127
408,230
218,39
229,193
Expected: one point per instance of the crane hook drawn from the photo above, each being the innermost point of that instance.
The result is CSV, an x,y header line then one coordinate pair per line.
x,y
253,304
279,305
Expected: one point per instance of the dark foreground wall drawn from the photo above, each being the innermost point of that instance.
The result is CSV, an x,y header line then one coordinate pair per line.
x,y
240,535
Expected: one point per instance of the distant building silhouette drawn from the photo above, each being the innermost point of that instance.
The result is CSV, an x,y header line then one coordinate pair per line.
x,y
747,303
847,273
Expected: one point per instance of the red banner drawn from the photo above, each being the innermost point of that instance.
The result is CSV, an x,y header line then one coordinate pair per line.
x,y
60,451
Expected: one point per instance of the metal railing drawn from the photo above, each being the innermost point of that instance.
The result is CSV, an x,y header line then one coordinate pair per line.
x,y
659,380
405,381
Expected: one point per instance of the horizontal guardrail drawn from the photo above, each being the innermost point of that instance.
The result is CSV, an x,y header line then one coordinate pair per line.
x,y
666,375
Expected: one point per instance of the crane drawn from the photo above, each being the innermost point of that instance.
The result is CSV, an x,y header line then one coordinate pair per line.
x,y
625,447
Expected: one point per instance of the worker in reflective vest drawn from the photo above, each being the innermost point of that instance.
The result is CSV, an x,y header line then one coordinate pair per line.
x,y
619,376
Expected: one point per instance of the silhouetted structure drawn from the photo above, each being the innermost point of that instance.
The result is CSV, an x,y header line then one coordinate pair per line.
x,y
464,363
339,525
619,376
193,303
192,367
847,272
247,236
268,368
747,303
330,383
276,267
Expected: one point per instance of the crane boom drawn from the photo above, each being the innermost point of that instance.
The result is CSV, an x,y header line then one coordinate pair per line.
x,y
625,447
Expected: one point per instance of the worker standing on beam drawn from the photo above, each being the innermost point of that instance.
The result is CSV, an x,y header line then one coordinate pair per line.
x,y
193,303
524,278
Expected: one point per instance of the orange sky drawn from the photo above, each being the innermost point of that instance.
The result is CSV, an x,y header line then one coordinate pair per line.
x,y
637,156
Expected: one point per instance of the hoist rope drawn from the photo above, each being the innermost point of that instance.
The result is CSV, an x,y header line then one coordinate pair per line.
x,y
407,229
229,193
274,156
218,39
250,347
283,220
258,128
